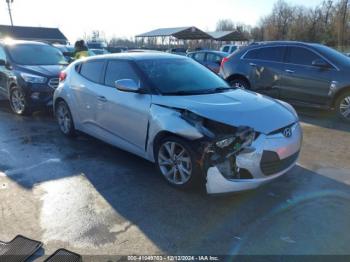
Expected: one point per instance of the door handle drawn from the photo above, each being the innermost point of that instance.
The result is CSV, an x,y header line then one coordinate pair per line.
x,y
102,99
290,71
252,64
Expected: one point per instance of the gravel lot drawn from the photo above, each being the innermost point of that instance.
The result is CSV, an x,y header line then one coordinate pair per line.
x,y
94,199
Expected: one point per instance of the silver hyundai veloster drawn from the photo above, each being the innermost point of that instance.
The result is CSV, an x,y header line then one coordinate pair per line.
x,y
176,113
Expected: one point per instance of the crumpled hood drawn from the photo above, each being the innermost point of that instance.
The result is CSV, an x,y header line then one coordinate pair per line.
x,y
47,70
235,108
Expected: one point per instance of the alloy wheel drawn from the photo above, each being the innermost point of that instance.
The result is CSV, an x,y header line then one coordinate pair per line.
x,y
64,118
344,107
175,163
18,102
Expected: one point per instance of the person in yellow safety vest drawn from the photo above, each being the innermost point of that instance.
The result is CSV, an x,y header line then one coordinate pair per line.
x,y
81,50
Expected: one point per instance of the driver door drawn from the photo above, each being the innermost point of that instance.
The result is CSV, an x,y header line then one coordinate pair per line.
x,y
123,116
303,82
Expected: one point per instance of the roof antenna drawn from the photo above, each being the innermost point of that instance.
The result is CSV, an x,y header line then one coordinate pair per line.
x,y
9,2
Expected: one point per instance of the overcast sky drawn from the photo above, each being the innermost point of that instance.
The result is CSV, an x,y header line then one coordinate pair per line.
x,y
126,18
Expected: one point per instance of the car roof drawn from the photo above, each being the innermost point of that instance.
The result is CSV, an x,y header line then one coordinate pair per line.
x,y
137,56
209,51
274,43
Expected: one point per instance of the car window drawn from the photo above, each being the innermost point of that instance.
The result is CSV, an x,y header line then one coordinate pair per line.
x,y
301,56
274,54
252,54
226,49
180,75
233,49
92,70
36,54
2,54
117,70
199,56
213,58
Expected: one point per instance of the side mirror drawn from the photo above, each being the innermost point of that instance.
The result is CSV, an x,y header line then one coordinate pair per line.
x,y
320,63
2,62
127,85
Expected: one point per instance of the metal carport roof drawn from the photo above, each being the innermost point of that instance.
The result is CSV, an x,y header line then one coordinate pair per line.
x,y
227,36
33,33
183,33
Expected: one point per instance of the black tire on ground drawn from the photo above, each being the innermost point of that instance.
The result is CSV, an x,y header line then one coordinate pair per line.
x,y
196,176
64,119
240,83
18,102
342,106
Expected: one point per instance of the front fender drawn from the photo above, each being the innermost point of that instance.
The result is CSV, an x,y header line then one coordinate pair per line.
x,y
165,119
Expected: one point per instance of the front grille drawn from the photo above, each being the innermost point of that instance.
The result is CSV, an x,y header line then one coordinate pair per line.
x,y
53,83
271,164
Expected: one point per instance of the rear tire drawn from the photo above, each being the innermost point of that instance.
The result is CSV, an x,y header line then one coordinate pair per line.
x,y
240,83
18,102
178,163
342,106
65,119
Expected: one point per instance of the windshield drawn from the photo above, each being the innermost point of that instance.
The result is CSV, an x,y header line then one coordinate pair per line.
x,y
31,54
182,76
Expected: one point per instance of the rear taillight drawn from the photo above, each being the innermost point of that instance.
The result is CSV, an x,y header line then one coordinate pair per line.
x,y
223,61
62,76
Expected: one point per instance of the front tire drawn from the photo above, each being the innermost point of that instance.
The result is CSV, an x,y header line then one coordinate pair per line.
x,y
65,119
342,106
18,102
178,163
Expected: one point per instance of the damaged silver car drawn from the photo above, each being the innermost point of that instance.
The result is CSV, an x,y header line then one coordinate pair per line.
x,y
178,114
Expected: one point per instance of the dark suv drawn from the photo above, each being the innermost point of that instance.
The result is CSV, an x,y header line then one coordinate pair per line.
x,y
301,73
29,74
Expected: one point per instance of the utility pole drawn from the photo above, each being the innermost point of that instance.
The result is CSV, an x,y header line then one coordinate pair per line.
x,y
9,2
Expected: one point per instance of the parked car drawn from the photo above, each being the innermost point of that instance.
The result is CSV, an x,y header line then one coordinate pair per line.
x,y
117,49
178,114
229,49
29,74
177,51
301,73
67,51
99,51
210,59
96,44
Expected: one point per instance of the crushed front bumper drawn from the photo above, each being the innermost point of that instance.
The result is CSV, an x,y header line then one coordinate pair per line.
x,y
269,157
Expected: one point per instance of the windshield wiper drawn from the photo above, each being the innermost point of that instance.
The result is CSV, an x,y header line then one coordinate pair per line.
x,y
183,93
216,90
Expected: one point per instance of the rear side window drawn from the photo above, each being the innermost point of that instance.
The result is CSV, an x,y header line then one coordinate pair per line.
x,y
117,70
252,54
273,54
92,70
199,57
213,58
226,49
301,56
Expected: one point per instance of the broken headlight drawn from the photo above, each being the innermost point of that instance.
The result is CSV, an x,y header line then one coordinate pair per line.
x,y
225,142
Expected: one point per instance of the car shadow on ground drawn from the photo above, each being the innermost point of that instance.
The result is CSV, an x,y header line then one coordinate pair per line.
x,y
322,118
300,212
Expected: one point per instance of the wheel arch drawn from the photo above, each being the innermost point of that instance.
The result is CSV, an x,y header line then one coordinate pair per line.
x,y
162,135
58,99
238,76
339,94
